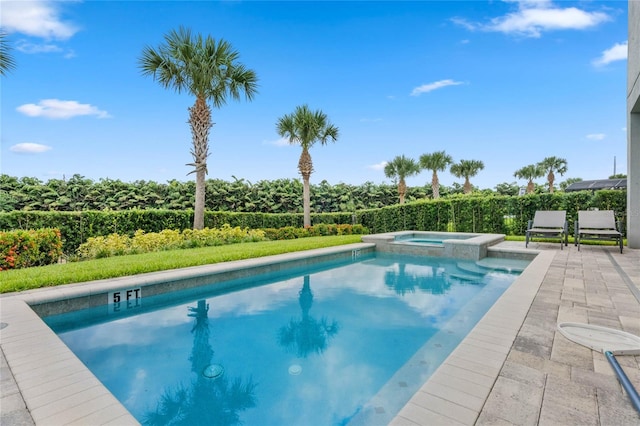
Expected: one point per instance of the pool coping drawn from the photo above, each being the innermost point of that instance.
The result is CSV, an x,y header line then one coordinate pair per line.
x,y
458,389
58,389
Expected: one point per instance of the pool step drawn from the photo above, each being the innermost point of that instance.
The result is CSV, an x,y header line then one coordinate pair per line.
x,y
464,277
501,264
472,268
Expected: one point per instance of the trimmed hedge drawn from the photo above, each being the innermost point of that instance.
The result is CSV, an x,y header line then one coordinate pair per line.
x,y
461,213
488,214
23,249
322,229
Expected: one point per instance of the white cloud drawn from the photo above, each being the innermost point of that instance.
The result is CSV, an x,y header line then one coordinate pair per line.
x,y
618,52
57,109
535,17
36,18
379,166
26,47
29,148
596,136
278,142
425,88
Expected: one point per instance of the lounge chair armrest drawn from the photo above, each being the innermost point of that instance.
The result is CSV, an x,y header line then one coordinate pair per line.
x,y
529,224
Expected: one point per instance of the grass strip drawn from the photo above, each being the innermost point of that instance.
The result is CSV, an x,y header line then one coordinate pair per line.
x,y
119,266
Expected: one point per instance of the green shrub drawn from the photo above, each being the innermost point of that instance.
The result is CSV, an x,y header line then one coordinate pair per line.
x,y
23,249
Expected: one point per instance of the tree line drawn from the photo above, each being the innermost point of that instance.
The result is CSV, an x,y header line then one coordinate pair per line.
x,y
78,193
239,195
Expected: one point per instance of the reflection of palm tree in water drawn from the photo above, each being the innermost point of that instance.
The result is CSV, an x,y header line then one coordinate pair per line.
x,y
307,335
208,401
402,282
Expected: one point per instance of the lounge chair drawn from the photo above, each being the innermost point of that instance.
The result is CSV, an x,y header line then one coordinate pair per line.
x,y
597,225
549,224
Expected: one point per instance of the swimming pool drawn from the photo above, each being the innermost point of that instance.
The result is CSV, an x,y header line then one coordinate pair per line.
x,y
318,343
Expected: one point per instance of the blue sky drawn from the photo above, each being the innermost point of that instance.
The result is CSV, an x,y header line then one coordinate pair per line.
x,y
505,82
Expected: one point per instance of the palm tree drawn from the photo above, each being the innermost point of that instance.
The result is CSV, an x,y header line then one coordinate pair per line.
x,y
467,169
400,168
6,59
208,70
307,335
551,165
437,161
209,400
306,127
530,172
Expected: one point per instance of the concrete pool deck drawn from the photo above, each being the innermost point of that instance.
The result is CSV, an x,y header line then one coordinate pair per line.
x,y
514,368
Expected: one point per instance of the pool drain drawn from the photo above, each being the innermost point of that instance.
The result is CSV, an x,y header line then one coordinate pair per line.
x,y
213,371
295,369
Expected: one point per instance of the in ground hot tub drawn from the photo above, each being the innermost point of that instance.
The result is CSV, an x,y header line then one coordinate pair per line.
x,y
462,245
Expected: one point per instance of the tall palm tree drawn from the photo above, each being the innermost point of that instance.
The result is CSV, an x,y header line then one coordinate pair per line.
x,y
6,59
401,168
551,165
466,169
306,127
209,400
307,335
210,71
437,161
530,172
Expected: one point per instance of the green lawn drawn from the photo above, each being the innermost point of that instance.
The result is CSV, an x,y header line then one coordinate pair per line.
x,y
74,272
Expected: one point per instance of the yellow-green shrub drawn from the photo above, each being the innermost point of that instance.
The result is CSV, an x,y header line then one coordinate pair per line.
x,y
142,242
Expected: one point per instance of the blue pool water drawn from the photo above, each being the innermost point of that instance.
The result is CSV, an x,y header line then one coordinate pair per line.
x,y
435,241
338,343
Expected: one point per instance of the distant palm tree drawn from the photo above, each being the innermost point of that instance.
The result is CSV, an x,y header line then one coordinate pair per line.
x,y
563,185
437,161
467,169
551,165
6,59
306,127
208,70
530,172
400,168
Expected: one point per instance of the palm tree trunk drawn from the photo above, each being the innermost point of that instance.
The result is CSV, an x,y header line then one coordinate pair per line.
x,y
435,185
530,187
306,201
200,123
550,178
198,211
402,190
467,186
305,166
